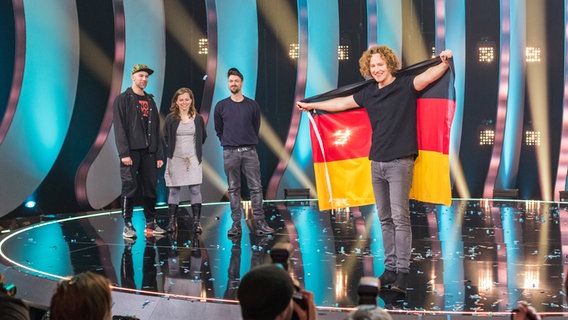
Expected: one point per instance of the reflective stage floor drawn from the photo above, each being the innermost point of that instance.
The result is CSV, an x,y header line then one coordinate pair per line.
x,y
477,257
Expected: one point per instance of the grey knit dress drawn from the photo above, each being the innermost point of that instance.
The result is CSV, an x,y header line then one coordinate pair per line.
x,y
184,169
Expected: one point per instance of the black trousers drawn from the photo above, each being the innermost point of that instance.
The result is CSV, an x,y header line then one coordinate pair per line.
x,y
144,165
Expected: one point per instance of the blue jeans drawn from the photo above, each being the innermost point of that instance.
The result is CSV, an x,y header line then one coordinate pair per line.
x,y
392,181
245,162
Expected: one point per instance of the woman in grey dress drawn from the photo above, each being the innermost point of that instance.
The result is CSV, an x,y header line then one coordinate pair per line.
x,y
184,135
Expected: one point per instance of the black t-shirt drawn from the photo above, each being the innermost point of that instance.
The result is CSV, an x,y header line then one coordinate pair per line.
x,y
392,113
144,109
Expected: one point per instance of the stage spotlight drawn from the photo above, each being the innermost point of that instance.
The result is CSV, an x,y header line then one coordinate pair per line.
x,y
30,204
532,138
532,54
203,46
486,133
343,52
486,50
294,51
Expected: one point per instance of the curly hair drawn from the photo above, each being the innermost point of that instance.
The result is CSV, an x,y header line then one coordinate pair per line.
x,y
174,108
393,63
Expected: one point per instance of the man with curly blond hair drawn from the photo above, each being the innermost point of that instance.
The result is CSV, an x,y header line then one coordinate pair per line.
x,y
390,102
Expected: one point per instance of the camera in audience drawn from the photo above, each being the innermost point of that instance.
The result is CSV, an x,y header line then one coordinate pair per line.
x,y
367,309
368,291
280,254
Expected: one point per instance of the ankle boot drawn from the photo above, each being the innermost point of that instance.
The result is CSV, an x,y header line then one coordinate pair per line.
x,y
235,230
261,228
196,209
400,283
387,278
172,213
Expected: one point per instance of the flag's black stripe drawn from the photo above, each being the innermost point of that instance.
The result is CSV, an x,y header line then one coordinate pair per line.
x,y
438,92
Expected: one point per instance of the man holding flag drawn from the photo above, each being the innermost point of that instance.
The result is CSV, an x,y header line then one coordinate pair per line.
x,y
390,102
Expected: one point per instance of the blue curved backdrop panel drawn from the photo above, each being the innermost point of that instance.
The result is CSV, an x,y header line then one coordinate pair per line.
x,y
44,109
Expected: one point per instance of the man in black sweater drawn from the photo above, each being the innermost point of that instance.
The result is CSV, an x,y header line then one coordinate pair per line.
x,y
237,123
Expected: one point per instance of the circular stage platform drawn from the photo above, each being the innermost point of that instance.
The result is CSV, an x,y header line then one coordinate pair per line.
x,y
477,257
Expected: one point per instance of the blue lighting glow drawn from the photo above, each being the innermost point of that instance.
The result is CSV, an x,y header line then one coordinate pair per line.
x,y
318,266
389,24
511,239
512,137
30,204
450,224
46,99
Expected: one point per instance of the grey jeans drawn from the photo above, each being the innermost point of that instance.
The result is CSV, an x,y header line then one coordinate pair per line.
x,y
247,163
392,181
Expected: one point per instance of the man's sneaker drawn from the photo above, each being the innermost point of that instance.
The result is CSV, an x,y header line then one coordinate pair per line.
x,y
235,230
128,243
129,231
152,228
197,227
261,228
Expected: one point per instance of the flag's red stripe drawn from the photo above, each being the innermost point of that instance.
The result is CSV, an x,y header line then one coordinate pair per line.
x,y
434,120
345,135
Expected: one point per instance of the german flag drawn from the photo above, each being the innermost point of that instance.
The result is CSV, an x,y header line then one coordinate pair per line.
x,y
341,159
341,143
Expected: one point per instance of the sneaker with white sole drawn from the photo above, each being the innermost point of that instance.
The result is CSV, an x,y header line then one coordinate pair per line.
x,y
153,228
129,231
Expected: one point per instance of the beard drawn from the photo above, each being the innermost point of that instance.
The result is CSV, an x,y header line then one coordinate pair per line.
x,y
141,85
235,90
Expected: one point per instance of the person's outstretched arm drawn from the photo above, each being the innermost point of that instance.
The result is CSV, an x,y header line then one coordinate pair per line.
x,y
332,105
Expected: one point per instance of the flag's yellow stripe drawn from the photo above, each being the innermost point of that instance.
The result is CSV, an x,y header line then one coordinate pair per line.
x,y
350,183
431,181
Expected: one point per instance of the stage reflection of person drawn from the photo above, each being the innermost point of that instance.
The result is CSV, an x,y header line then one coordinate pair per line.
x,y
259,247
234,270
127,267
187,270
152,270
